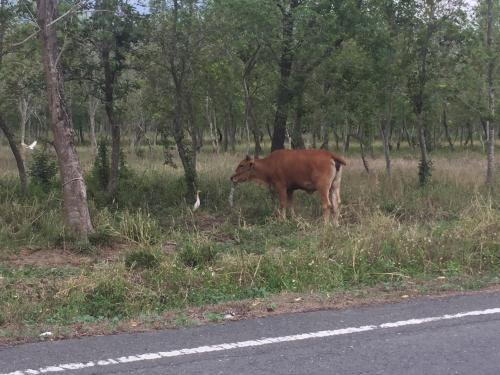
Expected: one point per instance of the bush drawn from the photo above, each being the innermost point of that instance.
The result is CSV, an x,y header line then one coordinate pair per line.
x,y
107,299
101,168
197,253
139,227
43,169
142,259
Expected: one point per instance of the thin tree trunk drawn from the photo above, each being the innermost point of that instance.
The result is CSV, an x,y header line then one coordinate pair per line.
x,y
212,125
93,104
4,127
23,113
225,139
177,60
490,166
385,140
284,95
17,155
324,133
250,120
425,163
74,190
446,130
109,79
232,129
297,140
385,130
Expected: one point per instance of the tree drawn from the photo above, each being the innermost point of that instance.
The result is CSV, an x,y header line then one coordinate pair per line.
x,y
179,38
427,34
490,68
284,93
112,30
76,210
6,13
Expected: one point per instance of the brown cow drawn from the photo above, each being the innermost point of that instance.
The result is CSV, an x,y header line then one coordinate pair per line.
x,y
285,171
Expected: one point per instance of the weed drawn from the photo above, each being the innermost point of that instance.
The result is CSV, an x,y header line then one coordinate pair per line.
x,y
139,227
141,259
107,299
43,169
197,252
214,317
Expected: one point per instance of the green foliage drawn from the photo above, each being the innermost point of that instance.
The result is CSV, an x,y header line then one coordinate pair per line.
x,y
142,259
138,227
424,172
43,169
101,168
197,252
107,299
98,178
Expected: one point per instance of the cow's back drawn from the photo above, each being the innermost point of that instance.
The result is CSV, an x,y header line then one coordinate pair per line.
x,y
300,168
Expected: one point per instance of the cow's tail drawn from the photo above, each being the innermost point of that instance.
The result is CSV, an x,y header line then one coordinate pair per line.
x,y
339,160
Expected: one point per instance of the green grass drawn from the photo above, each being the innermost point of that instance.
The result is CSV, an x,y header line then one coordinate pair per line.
x,y
167,258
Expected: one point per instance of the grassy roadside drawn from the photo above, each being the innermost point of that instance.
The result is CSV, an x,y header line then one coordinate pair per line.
x,y
153,263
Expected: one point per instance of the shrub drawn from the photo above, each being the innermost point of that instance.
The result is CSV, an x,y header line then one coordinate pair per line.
x,y
197,253
107,299
43,169
100,170
141,259
139,227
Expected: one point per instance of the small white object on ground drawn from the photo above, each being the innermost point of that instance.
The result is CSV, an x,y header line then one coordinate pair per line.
x,y
231,195
46,334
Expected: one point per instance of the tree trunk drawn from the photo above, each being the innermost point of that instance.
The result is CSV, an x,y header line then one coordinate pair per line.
x,y
17,155
490,166
385,140
76,211
232,130
225,138
446,130
23,113
324,134
92,110
3,126
109,79
425,163
210,113
297,140
250,119
185,152
284,95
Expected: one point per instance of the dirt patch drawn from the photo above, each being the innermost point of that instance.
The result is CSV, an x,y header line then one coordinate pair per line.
x,y
58,257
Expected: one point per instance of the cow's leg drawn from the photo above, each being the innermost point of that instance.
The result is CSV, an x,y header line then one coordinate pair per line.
x,y
283,197
289,195
325,202
335,194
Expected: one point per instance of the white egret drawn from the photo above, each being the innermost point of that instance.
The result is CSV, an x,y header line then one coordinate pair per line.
x,y
197,203
31,146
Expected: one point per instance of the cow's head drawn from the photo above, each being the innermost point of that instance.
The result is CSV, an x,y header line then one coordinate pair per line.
x,y
244,171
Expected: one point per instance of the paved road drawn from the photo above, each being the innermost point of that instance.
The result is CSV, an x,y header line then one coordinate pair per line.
x,y
455,335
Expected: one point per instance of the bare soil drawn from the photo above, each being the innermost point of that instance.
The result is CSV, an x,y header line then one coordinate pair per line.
x,y
57,257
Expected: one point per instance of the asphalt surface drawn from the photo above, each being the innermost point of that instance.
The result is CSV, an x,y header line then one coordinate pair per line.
x,y
449,345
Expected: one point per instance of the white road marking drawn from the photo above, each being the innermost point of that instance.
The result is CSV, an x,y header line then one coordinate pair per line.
x,y
247,344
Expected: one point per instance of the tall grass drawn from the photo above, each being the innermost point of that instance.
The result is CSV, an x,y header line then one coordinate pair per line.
x,y
391,230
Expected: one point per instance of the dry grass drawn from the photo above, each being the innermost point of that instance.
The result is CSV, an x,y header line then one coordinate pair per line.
x,y
153,256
